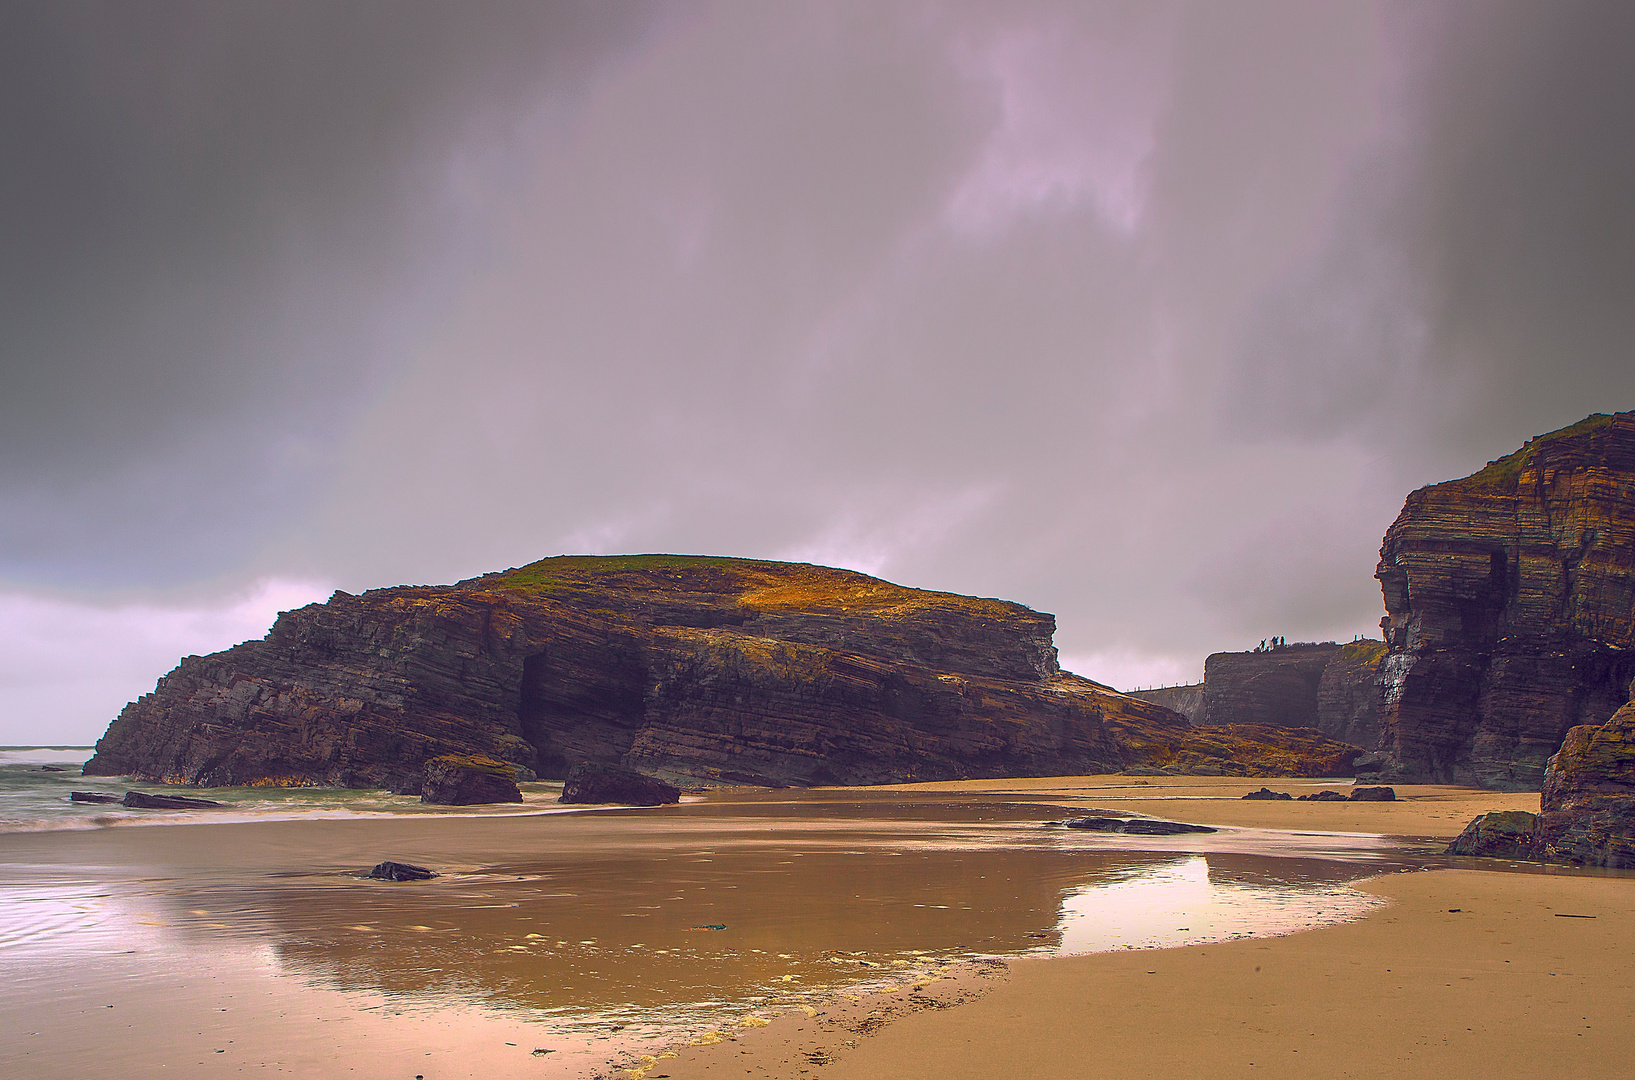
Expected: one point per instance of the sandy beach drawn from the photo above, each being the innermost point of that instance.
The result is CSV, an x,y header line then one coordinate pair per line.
x,y
1529,976
876,932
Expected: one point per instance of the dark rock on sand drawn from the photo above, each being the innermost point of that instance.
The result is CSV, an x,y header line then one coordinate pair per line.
x,y
93,797
469,780
1373,794
140,800
1499,834
1326,795
707,669
50,768
1268,794
1510,600
1587,810
1135,826
396,871
592,782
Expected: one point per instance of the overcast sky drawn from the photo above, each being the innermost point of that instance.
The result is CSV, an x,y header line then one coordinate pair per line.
x,y
1148,315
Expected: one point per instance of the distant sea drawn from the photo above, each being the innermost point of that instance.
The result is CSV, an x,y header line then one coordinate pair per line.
x,y
34,797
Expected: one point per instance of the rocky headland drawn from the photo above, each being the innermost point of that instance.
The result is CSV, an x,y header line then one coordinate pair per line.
x,y
684,667
1510,601
1327,686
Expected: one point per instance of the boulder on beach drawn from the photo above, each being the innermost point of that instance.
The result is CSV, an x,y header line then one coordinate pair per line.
x,y
397,871
1587,809
141,800
469,780
593,782
92,797
1326,795
1136,826
1373,794
1266,793
1499,834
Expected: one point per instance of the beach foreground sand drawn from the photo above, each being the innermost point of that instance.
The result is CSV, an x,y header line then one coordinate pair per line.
x,y
1491,972
223,948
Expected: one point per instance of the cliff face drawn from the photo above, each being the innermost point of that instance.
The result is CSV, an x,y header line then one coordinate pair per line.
x,y
1510,600
1187,701
1349,693
1332,688
689,667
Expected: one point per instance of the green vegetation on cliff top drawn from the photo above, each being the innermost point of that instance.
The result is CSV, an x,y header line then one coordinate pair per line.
x,y
1505,473
759,584
1367,651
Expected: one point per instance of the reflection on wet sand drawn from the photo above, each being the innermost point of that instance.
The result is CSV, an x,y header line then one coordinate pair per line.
x,y
654,923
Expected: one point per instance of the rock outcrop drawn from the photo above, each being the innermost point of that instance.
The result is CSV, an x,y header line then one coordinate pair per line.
x,y
709,669
1187,701
598,782
141,800
1135,826
1510,600
1499,834
397,871
1587,809
1323,685
469,780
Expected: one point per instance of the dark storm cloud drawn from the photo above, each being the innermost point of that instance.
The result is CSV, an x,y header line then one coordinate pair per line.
x,y
206,209
1145,314
1481,286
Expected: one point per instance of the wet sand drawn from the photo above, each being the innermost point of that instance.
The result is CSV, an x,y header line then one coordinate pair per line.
x,y
1507,986
1514,983
204,950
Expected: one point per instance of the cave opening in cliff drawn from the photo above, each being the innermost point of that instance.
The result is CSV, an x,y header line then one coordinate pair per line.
x,y
533,715
581,702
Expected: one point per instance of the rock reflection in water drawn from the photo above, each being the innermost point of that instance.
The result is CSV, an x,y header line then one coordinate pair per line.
x,y
631,933
609,935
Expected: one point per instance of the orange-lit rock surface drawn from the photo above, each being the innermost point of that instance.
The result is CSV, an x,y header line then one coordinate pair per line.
x,y
1511,608
685,667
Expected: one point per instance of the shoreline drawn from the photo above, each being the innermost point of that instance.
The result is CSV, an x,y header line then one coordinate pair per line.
x,y
315,900
1465,973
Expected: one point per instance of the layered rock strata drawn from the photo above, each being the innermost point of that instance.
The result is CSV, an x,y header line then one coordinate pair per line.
x,y
1510,600
1330,687
704,669
1587,809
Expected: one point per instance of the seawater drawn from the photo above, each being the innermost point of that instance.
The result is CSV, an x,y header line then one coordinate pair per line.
x,y
34,796
259,945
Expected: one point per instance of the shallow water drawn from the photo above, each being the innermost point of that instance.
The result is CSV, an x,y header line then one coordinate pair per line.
x,y
34,798
208,947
